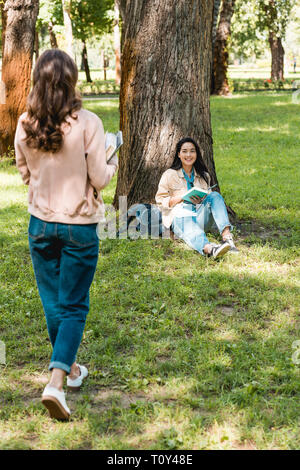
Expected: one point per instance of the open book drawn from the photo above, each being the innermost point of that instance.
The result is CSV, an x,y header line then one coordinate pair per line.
x,y
112,143
196,192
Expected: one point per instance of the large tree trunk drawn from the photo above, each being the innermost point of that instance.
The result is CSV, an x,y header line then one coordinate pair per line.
x,y
117,43
68,26
53,40
85,62
165,88
220,59
217,4
277,52
3,19
16,65
36,45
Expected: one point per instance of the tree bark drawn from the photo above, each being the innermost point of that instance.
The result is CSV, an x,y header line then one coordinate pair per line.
x,y
277,51
85,62
217,4
36,45
16,65
68,26
53,40
3,18
220,58
117,43
165,88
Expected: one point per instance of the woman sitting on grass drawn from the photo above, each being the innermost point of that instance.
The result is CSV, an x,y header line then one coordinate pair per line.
x,y
60,153
190,220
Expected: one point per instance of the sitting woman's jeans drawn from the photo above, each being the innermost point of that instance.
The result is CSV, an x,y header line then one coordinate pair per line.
x,y
191,229
64,259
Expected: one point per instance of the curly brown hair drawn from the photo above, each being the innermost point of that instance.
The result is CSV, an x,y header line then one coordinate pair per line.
x,y
52,99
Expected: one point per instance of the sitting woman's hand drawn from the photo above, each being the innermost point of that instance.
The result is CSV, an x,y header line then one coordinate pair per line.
x,y
197,199
175,200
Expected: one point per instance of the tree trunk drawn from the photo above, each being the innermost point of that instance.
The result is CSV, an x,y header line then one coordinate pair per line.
x,y
165,88
3,18
217,4
117,44
16,65
68,26
85,62
220,59
53,40
277,52
36,45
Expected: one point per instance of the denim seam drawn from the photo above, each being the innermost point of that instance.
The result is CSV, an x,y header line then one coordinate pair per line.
x,y
59,365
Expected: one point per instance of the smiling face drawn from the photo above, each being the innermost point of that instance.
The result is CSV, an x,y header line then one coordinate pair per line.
x,y
187,155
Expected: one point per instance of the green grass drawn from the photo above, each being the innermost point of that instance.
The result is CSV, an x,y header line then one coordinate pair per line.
x,y
183,352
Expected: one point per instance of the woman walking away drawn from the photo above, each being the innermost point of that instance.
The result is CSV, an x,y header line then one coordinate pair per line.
x,y
189,220
60,153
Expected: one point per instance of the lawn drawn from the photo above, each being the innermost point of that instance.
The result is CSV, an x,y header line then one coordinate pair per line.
x,y
183,352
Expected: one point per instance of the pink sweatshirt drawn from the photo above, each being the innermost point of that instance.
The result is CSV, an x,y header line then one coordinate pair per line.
x,y
61,185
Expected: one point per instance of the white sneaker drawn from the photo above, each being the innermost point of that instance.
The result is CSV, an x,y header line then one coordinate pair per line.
x,y
219,250
233,248
75,384
55,401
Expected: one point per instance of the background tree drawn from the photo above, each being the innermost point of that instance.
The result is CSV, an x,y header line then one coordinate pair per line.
x,y
66,5
50,17
117,44
19,33
221,55
165,88
274,16
90,18
246,39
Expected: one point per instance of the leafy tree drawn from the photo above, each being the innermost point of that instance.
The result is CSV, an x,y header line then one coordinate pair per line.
x,y
90,18
51,17
220,54
274,16
258,22
246,39
19,16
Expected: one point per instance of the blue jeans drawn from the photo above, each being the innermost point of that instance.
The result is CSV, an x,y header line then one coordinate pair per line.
x,y
191,229
64,259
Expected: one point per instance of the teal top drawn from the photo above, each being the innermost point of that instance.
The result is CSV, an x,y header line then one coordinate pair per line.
x,y
190,184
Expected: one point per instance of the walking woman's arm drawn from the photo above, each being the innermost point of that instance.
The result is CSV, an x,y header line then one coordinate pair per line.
x,y
20,157
100,173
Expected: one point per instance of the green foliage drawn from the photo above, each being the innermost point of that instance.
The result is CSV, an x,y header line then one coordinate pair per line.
x,y
50,13
246,40
274,15
252,21
183,352
91,17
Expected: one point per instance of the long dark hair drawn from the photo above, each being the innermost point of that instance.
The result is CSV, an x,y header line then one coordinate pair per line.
x,y
52,98
199,164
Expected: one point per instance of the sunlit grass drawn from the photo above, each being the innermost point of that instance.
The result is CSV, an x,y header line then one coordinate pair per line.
x,y
183,352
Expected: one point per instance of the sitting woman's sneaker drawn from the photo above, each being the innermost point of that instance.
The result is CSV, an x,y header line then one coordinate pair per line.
x,y
233,248
219,250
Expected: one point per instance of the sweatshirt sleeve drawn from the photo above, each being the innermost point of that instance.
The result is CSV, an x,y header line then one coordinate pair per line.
x,y
163,193
20,156
100,173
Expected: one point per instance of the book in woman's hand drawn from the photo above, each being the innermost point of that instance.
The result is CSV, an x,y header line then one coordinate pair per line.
x,y
112,144
196,192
